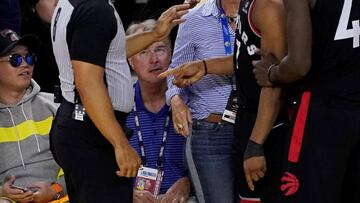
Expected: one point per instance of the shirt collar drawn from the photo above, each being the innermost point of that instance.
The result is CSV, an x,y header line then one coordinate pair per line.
x,y
138,100
210,8
140,103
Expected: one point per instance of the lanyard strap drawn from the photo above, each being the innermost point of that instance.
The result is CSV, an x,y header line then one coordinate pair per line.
x,y
225,30
226,37
160,160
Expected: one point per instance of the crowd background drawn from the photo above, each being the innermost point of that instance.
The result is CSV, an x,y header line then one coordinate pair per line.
x,y
23,17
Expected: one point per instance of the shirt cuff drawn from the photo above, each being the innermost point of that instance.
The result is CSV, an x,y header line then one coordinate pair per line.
x,y
175,91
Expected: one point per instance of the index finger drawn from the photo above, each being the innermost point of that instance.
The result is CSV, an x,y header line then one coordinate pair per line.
x,y
169,73
181,7
249,180
185,131
22,195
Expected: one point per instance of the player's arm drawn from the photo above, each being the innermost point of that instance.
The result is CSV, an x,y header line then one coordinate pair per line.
x,y
298,60
272,25
191,72
269,18
220,66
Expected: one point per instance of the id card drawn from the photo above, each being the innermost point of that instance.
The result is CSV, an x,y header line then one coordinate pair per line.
x,y
149,179
232,107
79,113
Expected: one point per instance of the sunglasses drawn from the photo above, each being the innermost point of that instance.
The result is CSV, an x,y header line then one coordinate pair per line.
x,y
16,59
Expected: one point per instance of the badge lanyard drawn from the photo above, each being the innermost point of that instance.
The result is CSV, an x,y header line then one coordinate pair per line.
x,y
225,30
160,160
226,37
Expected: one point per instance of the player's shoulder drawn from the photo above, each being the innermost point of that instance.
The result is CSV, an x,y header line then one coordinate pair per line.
x,y
269,3
269,8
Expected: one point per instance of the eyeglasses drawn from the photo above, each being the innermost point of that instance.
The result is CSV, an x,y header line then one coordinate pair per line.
x,y
158,51
16,59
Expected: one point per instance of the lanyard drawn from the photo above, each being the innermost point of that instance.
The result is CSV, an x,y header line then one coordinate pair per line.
x,y
225,30
226,37
160,160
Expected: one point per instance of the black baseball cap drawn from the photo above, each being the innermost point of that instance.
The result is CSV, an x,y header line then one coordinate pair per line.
x,y
9,39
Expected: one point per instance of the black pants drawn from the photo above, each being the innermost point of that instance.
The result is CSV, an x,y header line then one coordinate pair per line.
x,y
88,160
324,152
268,188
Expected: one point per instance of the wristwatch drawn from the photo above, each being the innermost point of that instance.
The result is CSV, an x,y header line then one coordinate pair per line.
x,y
59,193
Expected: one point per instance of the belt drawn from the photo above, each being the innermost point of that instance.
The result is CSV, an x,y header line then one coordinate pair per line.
x,y
214,118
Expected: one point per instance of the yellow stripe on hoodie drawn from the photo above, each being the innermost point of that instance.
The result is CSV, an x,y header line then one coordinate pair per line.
x,y
25,130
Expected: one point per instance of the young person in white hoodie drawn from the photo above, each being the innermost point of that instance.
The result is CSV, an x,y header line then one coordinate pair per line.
x,y
28,171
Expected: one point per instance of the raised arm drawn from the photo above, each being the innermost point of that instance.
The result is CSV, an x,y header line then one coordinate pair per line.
x,y
169,19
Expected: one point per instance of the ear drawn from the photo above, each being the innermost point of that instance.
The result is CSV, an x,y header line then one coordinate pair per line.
x,y
131,63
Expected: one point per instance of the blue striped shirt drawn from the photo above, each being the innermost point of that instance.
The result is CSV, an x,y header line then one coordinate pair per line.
x,y
152,129
201,37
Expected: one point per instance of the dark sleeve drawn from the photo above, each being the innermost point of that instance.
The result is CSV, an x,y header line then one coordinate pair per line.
x,y
90,32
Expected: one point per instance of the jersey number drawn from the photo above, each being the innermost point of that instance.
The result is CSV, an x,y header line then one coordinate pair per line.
x,y
342,32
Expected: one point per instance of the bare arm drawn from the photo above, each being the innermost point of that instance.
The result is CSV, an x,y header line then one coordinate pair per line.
x,y
220,66
269,17
272,27
96,100
138,42
297,63
192,72
169,19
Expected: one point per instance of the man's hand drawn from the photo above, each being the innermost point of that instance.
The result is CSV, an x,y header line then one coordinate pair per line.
x,y
143,197
261,68
255,169
169,19
178,192
192,3
15,194
44,193
186,74
181,115
128,160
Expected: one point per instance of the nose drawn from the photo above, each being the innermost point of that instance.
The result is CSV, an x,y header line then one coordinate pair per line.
x,y
153,57
23,62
